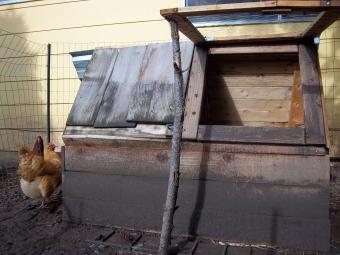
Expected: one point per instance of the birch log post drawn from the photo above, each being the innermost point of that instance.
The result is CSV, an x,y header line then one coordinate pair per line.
x,y
170,204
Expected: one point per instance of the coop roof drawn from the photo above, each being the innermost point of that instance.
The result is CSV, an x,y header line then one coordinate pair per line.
x,y
255,21
126,86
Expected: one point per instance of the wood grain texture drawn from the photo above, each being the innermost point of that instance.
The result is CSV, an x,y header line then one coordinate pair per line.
x,y
251,80
215,162
153,100
276,135
125,76
324,20
289,48
89,97
140,131
194,97
311,91
296,116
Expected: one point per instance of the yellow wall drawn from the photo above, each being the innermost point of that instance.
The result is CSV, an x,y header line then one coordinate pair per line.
x,y
73,25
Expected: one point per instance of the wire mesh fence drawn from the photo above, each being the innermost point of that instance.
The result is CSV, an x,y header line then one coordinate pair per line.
x,y
23,85
23,91
329,54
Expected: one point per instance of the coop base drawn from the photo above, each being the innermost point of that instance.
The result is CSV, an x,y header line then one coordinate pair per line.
x,y
258,194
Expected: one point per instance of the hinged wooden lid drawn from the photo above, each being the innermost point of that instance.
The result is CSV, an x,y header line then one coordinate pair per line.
x,y
255,21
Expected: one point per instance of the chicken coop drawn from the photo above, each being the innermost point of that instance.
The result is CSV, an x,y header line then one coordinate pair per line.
x,y
254,162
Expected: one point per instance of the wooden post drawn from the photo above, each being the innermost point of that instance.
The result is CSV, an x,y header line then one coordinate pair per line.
x,y
173,183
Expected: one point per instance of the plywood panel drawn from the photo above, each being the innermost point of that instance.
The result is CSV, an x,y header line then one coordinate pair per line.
x,y
153,100
118,95
89,97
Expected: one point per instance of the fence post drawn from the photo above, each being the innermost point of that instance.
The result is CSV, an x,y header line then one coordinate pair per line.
x,y
48,128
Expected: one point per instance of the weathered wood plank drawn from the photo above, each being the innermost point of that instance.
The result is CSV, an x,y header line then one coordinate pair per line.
x,y
324,20
251,80
296,116
125,76
140,131
153,100
311,91
251,67
286,48
251,134
194,97
214,162
271,93
89,97
186,27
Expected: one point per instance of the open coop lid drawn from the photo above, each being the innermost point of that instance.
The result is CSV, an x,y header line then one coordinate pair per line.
x,y
255,21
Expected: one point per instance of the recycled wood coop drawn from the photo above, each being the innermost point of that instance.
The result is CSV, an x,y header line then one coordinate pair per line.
x,y
254,161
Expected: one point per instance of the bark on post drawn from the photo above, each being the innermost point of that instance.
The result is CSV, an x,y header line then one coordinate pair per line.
x,y
173,183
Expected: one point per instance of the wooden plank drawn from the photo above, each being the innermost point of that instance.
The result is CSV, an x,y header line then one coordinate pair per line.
x,y
251,134
251,80
221,8
260,93
125,76
140,131
187,28
279,37
258,164
310,3
296,117
153,100
162,144
194,95
221,66
324,20
311,91
289,48
90,94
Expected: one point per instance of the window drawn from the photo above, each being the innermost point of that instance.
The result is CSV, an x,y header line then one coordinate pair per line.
x,y
13,1
80,61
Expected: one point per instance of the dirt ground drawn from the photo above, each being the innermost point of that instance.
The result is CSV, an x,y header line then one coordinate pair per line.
x,y
27,229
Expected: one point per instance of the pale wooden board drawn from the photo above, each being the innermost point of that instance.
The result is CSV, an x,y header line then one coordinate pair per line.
x,y
140,131
260,93
153,100
193,102
252,90
125,76
286,48
256,80
311,92
215,161
89,97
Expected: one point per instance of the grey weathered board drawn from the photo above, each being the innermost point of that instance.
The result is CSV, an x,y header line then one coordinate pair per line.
x,y
92,89
125,76
268,135
215,162
311,92
153,100
286,216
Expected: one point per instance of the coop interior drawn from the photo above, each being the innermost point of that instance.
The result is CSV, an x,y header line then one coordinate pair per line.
x,y
252,90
